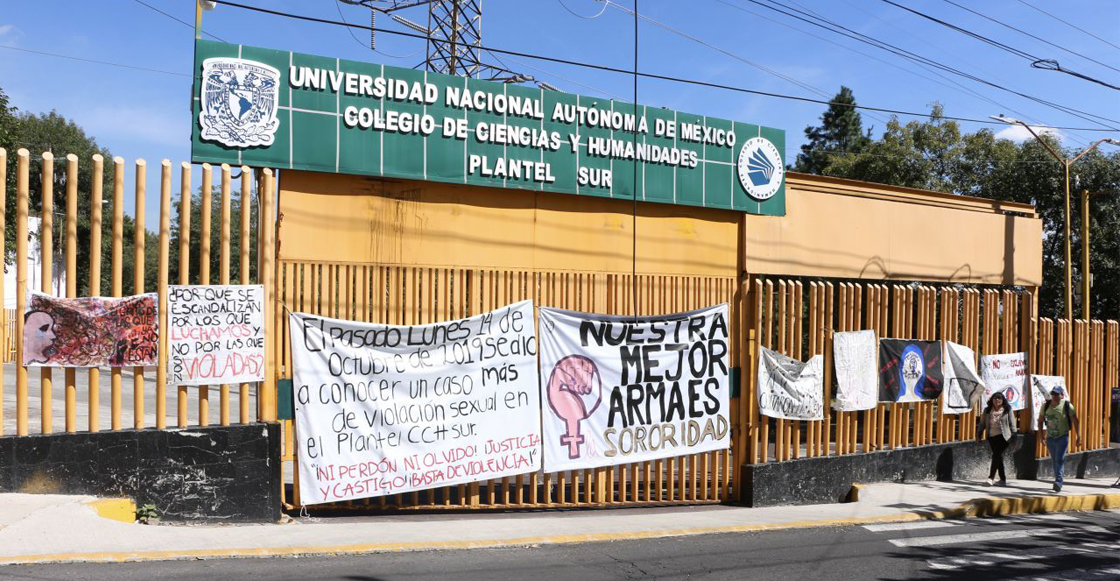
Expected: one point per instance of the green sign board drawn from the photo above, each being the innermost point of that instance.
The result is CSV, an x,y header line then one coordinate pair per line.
x,y
270,108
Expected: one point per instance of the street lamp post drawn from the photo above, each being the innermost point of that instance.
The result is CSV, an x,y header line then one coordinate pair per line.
x,y
1066,163
1086,277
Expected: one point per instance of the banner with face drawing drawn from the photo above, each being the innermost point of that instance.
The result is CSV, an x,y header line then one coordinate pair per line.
x,y
617,390
909,370
1005,373
91,331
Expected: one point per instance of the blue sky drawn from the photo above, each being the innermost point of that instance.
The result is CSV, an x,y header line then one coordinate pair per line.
x,y
144,114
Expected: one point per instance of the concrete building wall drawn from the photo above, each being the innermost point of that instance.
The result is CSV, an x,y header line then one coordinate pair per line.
x,y
832,228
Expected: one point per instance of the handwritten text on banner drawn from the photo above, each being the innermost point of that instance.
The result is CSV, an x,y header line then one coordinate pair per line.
x,y
217,334
383,409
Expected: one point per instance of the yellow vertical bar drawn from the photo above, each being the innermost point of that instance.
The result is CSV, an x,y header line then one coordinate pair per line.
x,y
3,253
118,275
95,280
853,321
243,270
22,168
46,256
164,266
71,374
267,261
184,267
140,236
223,275
204,211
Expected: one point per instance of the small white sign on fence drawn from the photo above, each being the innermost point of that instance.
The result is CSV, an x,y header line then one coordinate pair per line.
x,y
216,334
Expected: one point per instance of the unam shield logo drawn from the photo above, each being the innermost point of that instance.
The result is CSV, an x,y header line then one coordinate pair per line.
x,y
760,168
239,100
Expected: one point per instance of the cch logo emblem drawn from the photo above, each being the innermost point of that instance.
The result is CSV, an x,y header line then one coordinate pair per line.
x,y
239,101
760,168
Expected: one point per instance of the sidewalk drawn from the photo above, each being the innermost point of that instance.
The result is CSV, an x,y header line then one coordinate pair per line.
x,y
47,528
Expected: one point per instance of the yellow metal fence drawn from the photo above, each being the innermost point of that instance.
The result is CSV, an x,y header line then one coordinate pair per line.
x,y
793,316
143,387
797,317
408,296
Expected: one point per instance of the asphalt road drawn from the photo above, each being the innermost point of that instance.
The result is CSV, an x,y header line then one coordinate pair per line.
x,y
1085,547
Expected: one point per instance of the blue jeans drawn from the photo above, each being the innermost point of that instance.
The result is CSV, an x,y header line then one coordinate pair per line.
x,y
1058,447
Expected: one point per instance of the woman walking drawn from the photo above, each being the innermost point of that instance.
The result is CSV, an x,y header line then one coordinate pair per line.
x,y
998,422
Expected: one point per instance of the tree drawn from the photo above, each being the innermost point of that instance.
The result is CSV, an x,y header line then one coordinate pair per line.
x,y
51,132
9,140
8,123
215,237
841,130
934,154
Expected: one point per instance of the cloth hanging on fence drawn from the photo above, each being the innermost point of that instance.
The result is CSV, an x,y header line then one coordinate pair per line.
x,y
963,385
216,334
91,331
1006,373
789,389
909,370
384,409
1040,392
854,357
618,389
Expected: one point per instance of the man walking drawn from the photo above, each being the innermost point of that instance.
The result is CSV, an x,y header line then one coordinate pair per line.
x,y
1059,416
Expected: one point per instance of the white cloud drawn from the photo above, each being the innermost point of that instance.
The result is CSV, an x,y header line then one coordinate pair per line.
x,y
1018,133
8,34
152,125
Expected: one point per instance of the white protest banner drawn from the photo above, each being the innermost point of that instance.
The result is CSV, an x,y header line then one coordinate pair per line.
x,y
855,358
963,386
1040,393
216,334
789,389
1005,373
383,409
624,389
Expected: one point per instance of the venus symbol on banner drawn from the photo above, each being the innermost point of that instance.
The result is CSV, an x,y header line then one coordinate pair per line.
x,y
575,391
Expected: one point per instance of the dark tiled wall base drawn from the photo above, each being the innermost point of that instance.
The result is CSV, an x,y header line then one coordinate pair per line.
x,y
830,478
225,473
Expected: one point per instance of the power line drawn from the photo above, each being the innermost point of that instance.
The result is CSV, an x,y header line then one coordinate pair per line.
x,y
1038,38
832,26
338,7
700,41
176,19
646,75
956,86
1070,24
1049,64
85,60
926,60
578,15
1076,137
977,36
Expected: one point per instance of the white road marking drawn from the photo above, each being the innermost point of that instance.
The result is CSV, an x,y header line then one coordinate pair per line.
x,y
906,526
1054,516
982,537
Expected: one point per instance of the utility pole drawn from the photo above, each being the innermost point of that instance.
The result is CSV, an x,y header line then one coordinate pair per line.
x,y
1086,275
454,38
1066,163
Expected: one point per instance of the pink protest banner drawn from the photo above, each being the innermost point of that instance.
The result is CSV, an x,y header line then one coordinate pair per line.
x,y
91,331
216,334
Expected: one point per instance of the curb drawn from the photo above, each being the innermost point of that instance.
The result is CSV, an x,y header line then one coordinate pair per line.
x,y
981,507
118,509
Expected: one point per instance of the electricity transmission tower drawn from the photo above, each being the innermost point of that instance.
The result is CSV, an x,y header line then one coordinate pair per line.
x,y
454,34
